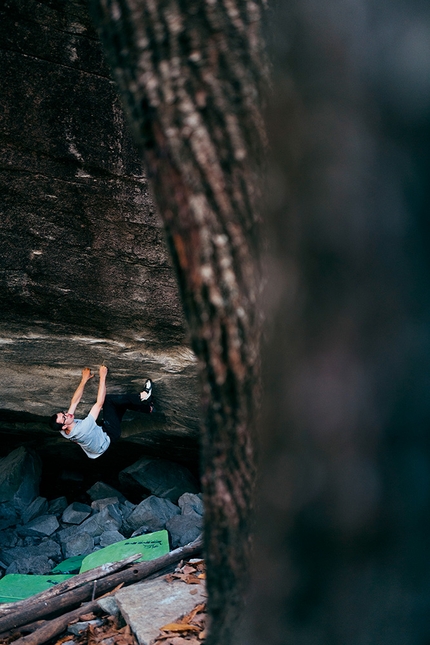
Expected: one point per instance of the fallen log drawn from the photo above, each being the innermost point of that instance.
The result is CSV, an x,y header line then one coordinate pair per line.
x,y
54,627
13,634
100,586
67,585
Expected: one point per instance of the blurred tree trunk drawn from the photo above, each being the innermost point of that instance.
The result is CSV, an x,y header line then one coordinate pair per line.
x,y
189,73
342,541
343,538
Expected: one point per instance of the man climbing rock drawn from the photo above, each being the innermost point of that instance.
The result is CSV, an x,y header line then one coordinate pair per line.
x,y
93,438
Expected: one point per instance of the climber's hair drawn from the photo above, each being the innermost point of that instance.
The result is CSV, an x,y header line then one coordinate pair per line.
x,y
54,423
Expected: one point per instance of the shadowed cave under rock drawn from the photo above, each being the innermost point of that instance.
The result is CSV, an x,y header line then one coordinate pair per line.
x,y
67,471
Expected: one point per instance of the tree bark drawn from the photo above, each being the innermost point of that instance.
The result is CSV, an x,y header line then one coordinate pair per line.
x,y
190,74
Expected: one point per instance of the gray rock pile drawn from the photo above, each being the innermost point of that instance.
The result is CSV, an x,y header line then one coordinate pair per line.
x,y
36,534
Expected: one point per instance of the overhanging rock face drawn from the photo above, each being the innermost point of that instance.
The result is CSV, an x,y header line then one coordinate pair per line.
x,y
85,275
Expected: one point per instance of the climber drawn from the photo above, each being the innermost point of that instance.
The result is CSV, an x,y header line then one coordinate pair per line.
x,y
91,437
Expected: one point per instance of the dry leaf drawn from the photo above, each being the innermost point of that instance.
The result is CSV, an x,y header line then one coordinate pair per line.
x,y
193,612
202,576
86,617
123,639
187,569
179,627
202,635
192,580
179,576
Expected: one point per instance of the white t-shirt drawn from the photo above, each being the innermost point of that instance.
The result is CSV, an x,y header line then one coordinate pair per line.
x,y
92,438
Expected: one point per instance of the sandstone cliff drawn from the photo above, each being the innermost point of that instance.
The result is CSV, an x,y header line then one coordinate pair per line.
x,y
84,272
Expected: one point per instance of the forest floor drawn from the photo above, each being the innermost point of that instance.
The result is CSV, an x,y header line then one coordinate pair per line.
x,y
108,629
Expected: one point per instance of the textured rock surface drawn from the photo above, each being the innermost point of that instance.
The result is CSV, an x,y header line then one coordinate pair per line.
x,y
184,529
28,545
152,514
153,603
159,477
19,478
85,276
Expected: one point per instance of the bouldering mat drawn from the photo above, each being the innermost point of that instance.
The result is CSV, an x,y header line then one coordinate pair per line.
x,y
151,546
17,586
71,565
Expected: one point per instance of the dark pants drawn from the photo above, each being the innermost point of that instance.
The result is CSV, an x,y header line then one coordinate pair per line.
x,y
114,408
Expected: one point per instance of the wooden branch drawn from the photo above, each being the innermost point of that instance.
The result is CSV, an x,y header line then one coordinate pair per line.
x,y
54,627
23,629
42,608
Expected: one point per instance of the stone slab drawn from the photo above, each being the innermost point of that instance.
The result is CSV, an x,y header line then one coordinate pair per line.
x,y
151,604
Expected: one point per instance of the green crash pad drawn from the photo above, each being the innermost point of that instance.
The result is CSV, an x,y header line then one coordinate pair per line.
x,y
151,546
71,565
17,586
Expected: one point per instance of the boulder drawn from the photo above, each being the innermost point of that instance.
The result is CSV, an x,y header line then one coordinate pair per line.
x,y
190,503
80,544
58,505
151,514
163,602
47,547
8,538
109,605
19,477
184,529
99,504
109,519
160,477
8,515
38,506
40,526
76,513
64,534
110,537
100,490
127,508
35,565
